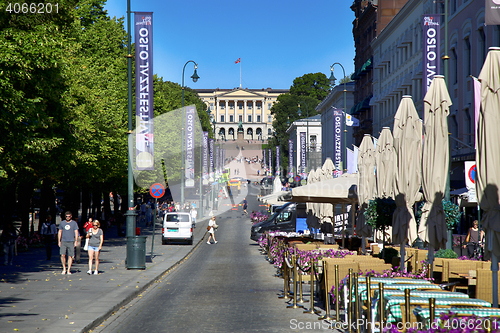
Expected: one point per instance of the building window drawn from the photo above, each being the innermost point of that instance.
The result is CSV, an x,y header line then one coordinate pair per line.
x,y
231,118
269,106
221,118
467,56
240,105
258,106
249,106
240,118
269,118
258,118
222,106
211,106
454,66
268,131
249,118
231,105
481,47
468,126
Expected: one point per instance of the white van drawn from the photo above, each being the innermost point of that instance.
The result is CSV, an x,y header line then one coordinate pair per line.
x,y
177,227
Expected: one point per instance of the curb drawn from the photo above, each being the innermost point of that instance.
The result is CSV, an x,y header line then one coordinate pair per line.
x,y
129,298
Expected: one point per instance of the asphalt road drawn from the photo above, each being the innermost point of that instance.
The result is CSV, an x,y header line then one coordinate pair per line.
x,y
224,287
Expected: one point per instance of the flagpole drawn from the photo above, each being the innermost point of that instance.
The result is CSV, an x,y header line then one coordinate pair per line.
x,y
240,73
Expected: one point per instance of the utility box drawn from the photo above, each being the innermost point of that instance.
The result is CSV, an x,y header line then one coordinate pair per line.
x,y
136,252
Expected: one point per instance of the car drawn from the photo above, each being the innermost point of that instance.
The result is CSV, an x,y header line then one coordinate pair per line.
x,y
291,217
177,226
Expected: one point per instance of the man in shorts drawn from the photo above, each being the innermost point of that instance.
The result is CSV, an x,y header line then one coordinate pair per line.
x,y
67,238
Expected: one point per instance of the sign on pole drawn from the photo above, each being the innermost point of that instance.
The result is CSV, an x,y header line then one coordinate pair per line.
x,y
157,190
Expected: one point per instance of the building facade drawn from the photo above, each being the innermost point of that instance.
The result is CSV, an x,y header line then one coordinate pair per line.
x,y
398,67
312,128
250,107
334,100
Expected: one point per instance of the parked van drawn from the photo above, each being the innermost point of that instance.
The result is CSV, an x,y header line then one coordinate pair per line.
x,y
177,226
291,217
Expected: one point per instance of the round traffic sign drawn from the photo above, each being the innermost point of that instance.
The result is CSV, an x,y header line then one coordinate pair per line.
x,y
303,182
290,180
471,173
157,190
297,178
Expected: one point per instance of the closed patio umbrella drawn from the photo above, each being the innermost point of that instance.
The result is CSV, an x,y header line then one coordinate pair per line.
x,y
277,186
407,133
326,210
435,163
385,161
366,185
488,160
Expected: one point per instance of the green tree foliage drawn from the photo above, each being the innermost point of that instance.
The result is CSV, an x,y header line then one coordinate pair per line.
x,y
315,85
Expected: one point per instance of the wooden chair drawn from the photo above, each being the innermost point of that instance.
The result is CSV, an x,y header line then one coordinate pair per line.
x,y
484,285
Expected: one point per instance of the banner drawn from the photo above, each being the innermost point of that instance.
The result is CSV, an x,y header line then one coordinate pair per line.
x,y
432,60
492,12
264,159
211,159
337,139
144,140
205,158
270,161
190,114
278,164
303,154
217,157
290,158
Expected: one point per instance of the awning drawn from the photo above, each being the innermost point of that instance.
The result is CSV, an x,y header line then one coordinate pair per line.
x,y
338,190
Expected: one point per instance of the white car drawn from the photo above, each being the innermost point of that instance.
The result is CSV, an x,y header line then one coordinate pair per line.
x,y
177,227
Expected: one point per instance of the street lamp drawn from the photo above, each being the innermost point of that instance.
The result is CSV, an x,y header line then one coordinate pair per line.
x,y
195,78
332,82
307,135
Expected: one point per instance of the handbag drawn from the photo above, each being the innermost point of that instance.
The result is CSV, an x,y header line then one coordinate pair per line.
x,y
86,247
208,228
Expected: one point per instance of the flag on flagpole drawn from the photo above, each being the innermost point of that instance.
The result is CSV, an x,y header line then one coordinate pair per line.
x,y
238,61
477,106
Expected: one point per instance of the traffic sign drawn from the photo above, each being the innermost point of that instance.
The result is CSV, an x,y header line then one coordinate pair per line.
x,y
297,178
157,190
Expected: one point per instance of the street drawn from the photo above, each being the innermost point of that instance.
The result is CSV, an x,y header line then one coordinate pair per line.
x,y
224,287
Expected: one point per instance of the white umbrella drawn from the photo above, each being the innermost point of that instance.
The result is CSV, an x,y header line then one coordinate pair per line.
x,y
311,220
385,161
488,160
435,164
277,186
407,135
366,185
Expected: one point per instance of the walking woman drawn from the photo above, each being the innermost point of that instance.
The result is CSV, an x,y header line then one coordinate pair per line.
x,y
96,237
211,231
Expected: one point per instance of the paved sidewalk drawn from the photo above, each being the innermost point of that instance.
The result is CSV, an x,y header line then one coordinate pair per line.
x,y
35,297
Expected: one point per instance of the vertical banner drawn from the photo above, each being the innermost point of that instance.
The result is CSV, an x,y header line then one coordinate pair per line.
x,y
278,164
432,60
190,114
211,163
492,12
217,155
269,151
264,161
338,120
205,156
290,158
144,140
303,155
221,159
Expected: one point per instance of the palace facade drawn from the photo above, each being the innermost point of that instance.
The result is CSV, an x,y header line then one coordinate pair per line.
x,y
250,107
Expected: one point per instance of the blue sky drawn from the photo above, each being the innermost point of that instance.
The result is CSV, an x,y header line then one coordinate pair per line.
x,y
276,40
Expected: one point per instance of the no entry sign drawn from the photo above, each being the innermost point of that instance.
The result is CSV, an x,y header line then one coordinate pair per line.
x,y
157,190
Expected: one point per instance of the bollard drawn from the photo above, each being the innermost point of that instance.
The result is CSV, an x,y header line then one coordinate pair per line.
x,y
311,310
381,302
349,306
327,294
337,298
294,267
407,306
432,308
429,273
356,296
368,300
285,294
301,299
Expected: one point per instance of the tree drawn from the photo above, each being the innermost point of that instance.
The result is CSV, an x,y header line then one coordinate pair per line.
x,y
315,85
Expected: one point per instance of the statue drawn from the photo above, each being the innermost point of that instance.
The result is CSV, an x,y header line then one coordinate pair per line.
x,y
240,127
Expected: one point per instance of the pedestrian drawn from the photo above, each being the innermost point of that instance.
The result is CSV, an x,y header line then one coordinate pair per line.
x,y
49,232
474,238
67,240
96,237
194,213
245,206
86,228
211,231
8,239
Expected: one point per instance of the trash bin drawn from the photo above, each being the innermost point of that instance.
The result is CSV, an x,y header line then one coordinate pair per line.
x,y
136,252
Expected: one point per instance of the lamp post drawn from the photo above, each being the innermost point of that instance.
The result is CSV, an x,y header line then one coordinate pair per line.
x,y
332,82
307,135
195,78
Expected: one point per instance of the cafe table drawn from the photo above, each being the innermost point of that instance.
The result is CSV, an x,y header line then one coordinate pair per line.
x,y
387,280
393,309
419,293
423,314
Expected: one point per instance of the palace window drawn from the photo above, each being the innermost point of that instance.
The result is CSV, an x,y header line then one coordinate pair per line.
x,y
231,118
221,118
249,118
258,118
